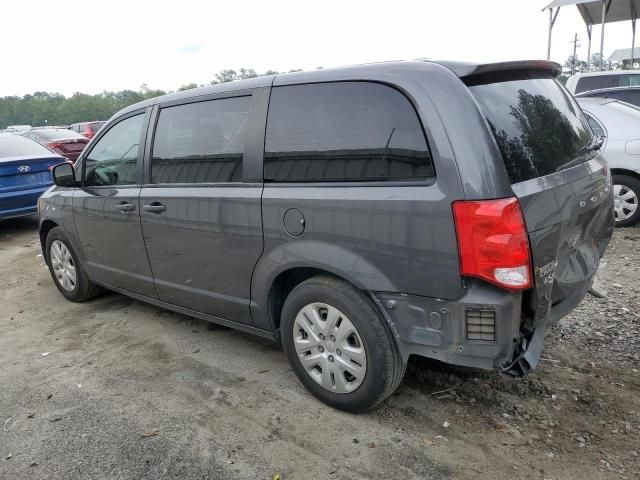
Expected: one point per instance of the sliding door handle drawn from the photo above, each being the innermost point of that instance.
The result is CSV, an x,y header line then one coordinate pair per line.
x,y
125,207
155,207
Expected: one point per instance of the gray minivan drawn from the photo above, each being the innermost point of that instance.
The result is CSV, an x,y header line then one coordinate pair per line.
x,y
357,215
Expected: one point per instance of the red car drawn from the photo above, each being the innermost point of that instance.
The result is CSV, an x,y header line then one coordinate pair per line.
x,y
60,140
88,129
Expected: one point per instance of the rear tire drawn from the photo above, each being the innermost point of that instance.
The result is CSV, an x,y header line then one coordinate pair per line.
x,y
357,368
626,195
66,270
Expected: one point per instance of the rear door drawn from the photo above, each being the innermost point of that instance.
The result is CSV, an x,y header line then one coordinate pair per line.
x,y
200,209
561,181
106,210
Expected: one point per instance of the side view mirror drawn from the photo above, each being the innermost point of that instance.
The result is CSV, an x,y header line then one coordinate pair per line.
x,y
63,175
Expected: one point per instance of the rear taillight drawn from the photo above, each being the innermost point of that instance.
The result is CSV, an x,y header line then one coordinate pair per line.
x,y
54,145
493,242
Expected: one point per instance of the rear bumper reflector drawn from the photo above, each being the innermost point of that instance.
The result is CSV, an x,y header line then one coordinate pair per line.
x,y
480,324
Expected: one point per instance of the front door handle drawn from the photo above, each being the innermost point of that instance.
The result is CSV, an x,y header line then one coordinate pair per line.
x,y
155,207
125,207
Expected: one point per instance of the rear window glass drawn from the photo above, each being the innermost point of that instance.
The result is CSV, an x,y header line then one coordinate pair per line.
x,y
16,146
343,131
537,125
57,134
94,127
597,81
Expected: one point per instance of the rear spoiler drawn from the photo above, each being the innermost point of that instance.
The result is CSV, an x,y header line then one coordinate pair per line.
x,y
481,73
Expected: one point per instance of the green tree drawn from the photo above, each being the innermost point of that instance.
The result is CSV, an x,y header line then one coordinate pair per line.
x,y
52,108
188,86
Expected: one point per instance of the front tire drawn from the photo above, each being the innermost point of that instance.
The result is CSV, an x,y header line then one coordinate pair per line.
x,y
626,195
67,272
339,346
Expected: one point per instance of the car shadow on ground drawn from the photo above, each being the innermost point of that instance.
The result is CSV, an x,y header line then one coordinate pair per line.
x,y
16,226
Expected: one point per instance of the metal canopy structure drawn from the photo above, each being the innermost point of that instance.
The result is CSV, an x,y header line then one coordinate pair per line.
x,y
597,12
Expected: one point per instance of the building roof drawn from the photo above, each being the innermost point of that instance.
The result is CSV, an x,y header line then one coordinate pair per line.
x,y
591,10
621,54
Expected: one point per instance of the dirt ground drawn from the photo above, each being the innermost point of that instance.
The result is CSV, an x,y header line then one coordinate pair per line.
x,y
129,390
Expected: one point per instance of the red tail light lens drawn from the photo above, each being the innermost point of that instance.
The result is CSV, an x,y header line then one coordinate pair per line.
x,y
54,145
493,242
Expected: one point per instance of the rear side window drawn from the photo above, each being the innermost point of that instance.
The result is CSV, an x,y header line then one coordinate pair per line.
x,y
17,145
597,81
200,142
537,125
628,80
346,131
595,126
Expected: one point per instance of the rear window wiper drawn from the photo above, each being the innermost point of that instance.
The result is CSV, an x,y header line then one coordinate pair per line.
x,y
595,145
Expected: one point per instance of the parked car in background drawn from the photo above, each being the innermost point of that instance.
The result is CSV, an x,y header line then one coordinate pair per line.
x,y
43,127
60,140
582,82
24,174
357,215
619,123
625,94
88,129
19,128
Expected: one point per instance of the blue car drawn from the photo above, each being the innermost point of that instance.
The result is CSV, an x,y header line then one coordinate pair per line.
x,y
24,174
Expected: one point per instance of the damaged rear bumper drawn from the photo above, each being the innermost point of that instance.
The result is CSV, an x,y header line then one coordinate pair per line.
x,y
482,329
527,353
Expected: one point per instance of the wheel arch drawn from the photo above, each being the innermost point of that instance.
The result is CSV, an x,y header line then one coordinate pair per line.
x,y
624,171
278,272
45,227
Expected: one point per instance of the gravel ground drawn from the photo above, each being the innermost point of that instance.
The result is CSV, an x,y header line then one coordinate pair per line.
x,y
128,390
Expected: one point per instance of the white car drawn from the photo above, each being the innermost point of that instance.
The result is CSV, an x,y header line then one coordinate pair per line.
x,y
583,82
619,123
19,128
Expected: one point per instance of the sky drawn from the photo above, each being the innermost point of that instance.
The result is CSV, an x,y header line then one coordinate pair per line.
x,y
90,46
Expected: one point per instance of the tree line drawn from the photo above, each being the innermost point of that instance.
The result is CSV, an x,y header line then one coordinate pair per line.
x,y
46,108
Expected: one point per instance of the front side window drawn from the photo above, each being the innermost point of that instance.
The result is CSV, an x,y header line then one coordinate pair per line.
x,y
346,131
200,142
113,161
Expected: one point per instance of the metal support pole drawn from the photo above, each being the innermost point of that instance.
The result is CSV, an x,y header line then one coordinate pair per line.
x,y
589,47
549,39
552,20
604,17
633,40
573,60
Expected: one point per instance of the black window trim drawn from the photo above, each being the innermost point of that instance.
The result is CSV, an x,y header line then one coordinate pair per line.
x,y
423,182
141,148
153,124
